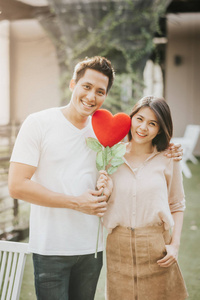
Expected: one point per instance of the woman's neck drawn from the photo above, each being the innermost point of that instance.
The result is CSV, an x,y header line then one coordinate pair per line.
x,y
137,154
139,149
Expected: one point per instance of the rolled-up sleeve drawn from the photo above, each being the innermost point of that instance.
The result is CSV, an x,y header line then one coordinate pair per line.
x,y
176,195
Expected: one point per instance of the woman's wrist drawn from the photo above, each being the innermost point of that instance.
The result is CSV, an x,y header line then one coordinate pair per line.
x,y
176,244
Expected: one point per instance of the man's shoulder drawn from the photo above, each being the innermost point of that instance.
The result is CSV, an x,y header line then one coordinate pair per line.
x,y
43,116
48,113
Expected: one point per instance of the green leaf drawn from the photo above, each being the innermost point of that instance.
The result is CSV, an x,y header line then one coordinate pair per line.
x,y
93,144
100,160
108,155
117,161
118,150
111,170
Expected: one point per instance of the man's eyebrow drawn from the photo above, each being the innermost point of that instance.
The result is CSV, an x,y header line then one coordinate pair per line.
x,y
89,83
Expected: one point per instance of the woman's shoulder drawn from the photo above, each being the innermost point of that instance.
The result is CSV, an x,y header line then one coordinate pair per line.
x,y
162,157
171,165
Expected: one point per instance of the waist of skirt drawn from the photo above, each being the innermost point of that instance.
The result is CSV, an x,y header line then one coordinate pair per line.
x,y
159,228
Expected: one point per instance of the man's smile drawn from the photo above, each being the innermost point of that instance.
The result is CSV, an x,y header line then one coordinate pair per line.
x,y
86,104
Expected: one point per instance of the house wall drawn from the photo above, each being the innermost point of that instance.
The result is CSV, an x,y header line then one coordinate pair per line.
x,y
34,72
4,73
182,86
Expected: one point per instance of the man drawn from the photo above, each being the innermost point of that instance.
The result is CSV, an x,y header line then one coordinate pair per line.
x,y
53,169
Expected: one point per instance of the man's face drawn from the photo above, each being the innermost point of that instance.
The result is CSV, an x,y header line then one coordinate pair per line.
x,y
89,92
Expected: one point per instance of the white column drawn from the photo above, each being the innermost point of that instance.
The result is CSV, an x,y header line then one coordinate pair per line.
x,y
4,72
153,80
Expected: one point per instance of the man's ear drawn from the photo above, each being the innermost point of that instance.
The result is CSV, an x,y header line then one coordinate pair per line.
x,y
72,85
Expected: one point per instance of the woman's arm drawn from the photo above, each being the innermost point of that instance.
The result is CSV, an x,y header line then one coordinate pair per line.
x,y
178,224
173,248
104,181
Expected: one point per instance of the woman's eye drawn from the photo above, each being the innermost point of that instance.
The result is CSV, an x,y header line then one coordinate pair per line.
x,y
140,119
86,87
153,124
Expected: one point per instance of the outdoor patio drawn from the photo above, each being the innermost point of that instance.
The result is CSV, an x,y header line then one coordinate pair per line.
x,y
189,258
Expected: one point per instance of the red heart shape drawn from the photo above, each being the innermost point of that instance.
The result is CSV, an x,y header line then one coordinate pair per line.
x,y
110,129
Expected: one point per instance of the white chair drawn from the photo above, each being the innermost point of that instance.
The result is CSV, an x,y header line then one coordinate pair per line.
x,y
188,142
12,262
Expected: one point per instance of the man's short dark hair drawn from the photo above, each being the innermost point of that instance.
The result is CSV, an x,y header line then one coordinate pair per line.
x,y
97,63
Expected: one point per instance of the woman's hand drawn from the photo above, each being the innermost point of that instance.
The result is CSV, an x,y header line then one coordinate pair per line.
x,y
105,182
170,258
174,151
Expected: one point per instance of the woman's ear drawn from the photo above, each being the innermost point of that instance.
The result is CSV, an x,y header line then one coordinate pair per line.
x,y
72,85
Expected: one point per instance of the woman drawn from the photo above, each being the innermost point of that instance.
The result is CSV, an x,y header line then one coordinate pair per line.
x,y
146,202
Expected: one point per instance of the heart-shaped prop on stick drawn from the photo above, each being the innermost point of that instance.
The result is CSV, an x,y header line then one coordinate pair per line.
x,y
109,130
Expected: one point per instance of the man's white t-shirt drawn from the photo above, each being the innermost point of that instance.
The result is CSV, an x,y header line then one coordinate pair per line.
x,y
48,141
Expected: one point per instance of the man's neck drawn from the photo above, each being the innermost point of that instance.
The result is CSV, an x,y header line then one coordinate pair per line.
x,y
73,117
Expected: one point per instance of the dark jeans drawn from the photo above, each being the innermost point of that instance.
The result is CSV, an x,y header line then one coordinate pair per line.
x,y
66,277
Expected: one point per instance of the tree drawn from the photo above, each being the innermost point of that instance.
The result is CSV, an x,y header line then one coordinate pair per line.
x,y
121,30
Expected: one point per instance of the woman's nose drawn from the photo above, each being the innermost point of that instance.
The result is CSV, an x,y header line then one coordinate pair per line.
x,y
143,126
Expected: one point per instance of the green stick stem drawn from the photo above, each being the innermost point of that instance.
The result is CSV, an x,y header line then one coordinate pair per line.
x,y
104,167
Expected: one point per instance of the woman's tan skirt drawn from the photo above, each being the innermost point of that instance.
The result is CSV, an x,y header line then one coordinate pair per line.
x,y
132,269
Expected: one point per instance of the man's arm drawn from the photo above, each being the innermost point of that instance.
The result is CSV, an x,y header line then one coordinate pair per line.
x,y
22,187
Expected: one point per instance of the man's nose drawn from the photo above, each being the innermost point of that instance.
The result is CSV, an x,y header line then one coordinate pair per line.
x,y
90,95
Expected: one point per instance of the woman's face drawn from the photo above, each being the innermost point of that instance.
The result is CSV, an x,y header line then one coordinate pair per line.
x,y
144,126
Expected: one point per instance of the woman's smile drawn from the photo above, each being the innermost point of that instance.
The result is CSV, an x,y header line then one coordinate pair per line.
x,y
141,134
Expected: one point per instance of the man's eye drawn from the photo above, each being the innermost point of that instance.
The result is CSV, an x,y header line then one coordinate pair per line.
x,y
86,87
100,93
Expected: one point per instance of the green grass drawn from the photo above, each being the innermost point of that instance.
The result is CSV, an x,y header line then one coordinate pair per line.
x,y
189,254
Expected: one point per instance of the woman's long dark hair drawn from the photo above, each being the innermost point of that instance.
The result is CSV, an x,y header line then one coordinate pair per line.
x,y
162,111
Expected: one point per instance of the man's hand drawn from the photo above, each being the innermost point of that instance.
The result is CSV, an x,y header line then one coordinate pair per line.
x,y
92,203
22,187
106,183
174,151
170,258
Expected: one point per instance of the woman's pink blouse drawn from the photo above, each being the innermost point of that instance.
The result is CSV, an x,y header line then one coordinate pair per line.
x,y
147,195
